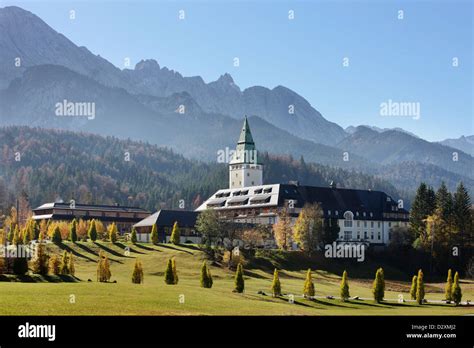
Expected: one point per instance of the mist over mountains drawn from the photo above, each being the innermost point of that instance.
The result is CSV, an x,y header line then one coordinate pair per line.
x,y
160,106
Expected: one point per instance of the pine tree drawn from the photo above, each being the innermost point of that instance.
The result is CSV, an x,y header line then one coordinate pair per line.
x,y
169,276
72,269
92,233
17,240
378,288
39,264
413,287
308,289
26,235
449,286
133,237
154,234
205,281
239,279
113,232
56,237
73,231
344,287
137,275
456,293
444,202
461,208
276,286
175,234
64,267
54,265
420,288
175,271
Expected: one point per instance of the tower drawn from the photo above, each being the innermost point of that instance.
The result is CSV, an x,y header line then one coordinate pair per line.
x,y
245,168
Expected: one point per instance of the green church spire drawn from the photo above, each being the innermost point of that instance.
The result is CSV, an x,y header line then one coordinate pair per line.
x,y
246,151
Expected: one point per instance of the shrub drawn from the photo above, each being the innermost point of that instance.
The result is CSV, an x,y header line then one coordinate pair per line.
x,y
133,236
456,293
420,288
308,289
239,279
413,287
344,287
175,234
448,287
169,276
378,288
39,264
276,286
137,275
54,265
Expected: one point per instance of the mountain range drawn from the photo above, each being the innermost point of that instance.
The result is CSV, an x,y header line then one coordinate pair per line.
x,y
41,68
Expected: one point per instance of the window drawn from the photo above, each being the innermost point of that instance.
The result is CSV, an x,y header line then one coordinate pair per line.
x,y
358,234
389,224
378,223
329,212
371,224
389,235
253,183
365,234
337,213
372,235
358,223
363,213
347,235
379,236
348,216
248,174
357,213
365,224
371,214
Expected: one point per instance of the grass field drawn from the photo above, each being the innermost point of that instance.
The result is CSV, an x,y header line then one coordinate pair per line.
x,y
154,297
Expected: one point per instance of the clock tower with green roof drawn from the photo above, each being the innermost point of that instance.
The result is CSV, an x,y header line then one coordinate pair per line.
x,y
245,168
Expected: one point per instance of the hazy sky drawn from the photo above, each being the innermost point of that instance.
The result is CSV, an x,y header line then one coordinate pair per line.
x,y
403,60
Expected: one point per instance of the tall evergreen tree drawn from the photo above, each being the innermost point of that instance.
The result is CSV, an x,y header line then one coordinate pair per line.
x,y
71,267
206,280
154,234
175,234
92,233
39,263
308,289
54,265
133,236
444,202
413,287
420,288
113,233
344,287
175,271
73,231
64,267
169,276
449,286
276,286
137,275
378,288
456,293
422,206
462,215
56,237
239,279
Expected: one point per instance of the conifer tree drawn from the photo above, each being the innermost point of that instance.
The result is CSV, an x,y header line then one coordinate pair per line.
x,y
92,233
413,287
103,268
133,237
209,277
17,240
54,265
344,287
26,235
239,279
456,293
175,234
462,215
137,275
378,288
204,276
56,237
444,202
175,272
39,264
276,286
64,267
169,276
449,286
308,289
73,231
113,232
72,269
154,234
420,288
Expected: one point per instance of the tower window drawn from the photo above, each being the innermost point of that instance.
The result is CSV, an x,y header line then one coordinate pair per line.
x,y
248,174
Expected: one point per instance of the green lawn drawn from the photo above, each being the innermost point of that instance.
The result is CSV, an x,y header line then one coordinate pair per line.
x,y
154,297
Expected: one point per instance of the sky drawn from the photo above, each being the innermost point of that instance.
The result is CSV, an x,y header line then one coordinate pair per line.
x,y
392,56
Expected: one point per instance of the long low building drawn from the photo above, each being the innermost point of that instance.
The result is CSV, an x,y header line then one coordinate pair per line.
x,y
164,221
123,216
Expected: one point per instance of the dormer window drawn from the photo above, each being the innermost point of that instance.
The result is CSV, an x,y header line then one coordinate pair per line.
x,y
329,212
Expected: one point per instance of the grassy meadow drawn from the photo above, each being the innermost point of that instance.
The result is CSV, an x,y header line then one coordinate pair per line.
x,y
39,296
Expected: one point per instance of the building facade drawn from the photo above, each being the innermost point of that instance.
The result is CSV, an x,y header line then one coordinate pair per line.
x,y
124,217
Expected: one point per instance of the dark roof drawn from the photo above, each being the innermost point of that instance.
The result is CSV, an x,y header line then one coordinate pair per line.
x,y
162,217
118,208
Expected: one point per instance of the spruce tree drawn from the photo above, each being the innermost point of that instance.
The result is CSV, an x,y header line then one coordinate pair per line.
x,y
175,234
239,279
461,208
92,233
175,271
56,237
154,234
378,288
413,287
308,289
449,286
54,265
276,286
444,202
39,264
456,293
344,287
73,231
420,288
113,232
137,275
64,267
204,275
169,276
133,237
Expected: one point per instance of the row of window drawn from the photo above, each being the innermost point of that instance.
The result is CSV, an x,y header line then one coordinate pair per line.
x,y
348,235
